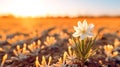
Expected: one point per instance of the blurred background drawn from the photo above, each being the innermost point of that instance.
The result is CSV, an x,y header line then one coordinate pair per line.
x,y
30,28
31,15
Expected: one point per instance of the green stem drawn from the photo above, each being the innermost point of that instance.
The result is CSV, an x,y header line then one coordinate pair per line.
x,y
83,46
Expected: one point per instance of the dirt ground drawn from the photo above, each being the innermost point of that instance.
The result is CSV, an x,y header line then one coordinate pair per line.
x,y
17,31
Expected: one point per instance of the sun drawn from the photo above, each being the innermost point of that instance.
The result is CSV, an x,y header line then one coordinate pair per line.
x,y
27,8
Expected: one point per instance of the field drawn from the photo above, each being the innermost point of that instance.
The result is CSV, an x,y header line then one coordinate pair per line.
x,y
60,23
38,37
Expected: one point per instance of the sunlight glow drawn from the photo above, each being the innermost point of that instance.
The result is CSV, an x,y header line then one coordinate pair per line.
x,y
27,8
71,8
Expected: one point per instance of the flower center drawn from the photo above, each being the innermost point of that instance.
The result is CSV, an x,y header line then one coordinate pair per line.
x,y
83,31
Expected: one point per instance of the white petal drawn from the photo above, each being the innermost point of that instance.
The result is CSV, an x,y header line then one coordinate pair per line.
x,y
85,24
76,34
79,23
91,26
89,34
83,36
76,28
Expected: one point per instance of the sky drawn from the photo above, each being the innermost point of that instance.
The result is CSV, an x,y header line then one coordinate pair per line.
x,y
60,7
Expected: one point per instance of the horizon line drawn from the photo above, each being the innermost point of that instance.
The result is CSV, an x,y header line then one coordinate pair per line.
x,y
103,15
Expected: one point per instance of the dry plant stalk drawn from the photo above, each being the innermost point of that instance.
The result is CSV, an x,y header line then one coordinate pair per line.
x,y
37,64
50,41
4,59
43,62
109,52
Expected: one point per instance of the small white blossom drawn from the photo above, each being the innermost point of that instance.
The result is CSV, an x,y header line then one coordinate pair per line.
x,y
83,30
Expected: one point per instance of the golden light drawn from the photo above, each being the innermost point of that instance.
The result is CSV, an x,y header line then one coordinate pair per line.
x,y
4,59
27,8
37,64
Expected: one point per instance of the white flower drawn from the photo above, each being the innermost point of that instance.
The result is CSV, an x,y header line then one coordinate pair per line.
x,y
83,30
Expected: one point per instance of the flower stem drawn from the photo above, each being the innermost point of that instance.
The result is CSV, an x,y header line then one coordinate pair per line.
x,y
83,45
